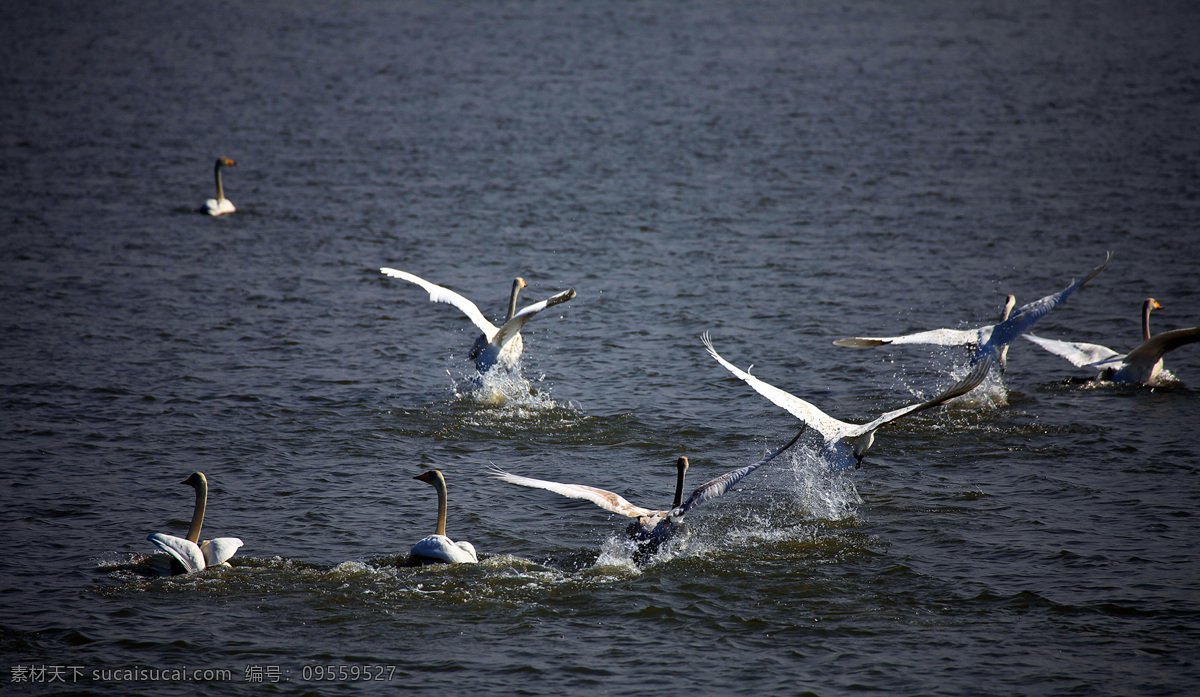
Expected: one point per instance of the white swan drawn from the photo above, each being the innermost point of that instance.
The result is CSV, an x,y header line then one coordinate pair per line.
x,y
845,443
991,340
1141,366
437,547
220,205
652,527
191,554
502,345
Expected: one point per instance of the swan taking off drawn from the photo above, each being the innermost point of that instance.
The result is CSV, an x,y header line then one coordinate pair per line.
x,y
652,527
437,547
497,345
220,205
1141,366
846,443
191,554
990,340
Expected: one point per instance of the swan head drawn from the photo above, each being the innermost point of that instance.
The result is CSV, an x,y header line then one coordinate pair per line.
x,y
433,477
225,162
1010,301
519,283
1152,304
196,480
860,445
682,464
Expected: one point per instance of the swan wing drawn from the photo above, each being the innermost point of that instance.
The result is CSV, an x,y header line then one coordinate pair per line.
x,y
1152,350
938,337
220,550
719,485
602,498
829,427
978,372
438,294
181,550
1079,353
1025,316
513,326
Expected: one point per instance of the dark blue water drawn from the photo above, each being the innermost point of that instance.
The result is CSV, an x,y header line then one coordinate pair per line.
x,y
778,174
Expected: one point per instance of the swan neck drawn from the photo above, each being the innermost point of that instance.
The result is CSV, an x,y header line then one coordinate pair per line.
x,y
1146,320
220,188
682,465
512,300
1010,301
198,514
440,484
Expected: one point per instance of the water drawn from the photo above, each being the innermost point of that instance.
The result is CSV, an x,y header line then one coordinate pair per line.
x,y
780,175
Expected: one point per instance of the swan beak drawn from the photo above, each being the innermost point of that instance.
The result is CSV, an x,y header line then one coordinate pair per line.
x,y
1156,305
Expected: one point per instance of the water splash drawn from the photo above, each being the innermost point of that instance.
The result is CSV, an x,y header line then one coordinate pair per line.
x,y
819,492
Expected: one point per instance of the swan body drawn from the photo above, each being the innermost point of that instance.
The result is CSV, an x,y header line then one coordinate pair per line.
x,y
845,444
220,205
496,345
650,528
189,553
437,547
1141,366
991,340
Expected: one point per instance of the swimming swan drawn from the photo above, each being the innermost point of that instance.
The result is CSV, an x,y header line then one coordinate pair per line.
x,y
845,441
990,340
502,344
652,527
437,547
220,205
191,554
1141,366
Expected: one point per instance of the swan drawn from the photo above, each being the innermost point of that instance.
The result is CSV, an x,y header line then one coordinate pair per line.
x,y
191,554
220,205
497,345
992,339
437,547
1141,366
843,441
651,528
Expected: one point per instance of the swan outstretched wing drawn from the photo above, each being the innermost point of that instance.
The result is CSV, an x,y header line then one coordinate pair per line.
x,y
938,337
1153,349
829,427
719,485
513,326
220,550
438,294
602,498
978,372
181,550
1080,354
1030,313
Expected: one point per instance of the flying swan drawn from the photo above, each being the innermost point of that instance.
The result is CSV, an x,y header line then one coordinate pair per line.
x,y
1141,366
191,554
220,205
651,528
844,442
992,339
437,547
497,345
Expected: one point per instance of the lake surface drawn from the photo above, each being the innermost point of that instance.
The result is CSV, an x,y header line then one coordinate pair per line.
x,y
778,174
